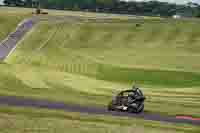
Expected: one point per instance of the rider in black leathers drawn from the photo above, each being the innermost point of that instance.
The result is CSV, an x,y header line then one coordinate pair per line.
x,y
134,94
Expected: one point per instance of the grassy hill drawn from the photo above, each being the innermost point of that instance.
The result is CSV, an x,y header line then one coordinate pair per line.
x,y
93,60
167,45
87,61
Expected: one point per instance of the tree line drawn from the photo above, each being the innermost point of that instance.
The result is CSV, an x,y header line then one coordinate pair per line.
x,y
150,8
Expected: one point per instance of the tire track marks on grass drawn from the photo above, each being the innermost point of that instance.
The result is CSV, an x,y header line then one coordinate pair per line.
x,y
41,46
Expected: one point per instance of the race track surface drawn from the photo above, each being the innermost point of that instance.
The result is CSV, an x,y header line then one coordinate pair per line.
x,y
45,104
9,44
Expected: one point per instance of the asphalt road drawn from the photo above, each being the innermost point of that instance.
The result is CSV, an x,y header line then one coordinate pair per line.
x,y
36,103
8,45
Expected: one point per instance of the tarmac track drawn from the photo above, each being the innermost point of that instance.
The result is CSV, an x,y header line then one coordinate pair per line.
x,y
9,44
45,104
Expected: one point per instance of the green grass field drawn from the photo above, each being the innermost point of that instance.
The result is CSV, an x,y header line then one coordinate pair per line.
x,y
93,60
87,62
25,120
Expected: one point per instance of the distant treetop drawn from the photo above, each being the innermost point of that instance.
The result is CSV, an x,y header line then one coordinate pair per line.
x,y
149,8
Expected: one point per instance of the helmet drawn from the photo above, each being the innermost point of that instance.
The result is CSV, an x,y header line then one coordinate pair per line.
x,y
134,87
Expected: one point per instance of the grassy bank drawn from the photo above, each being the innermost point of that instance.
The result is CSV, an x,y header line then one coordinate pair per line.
x,y
87,62
30,120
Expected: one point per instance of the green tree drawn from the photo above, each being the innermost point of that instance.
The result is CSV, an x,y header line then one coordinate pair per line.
x,y
13,2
